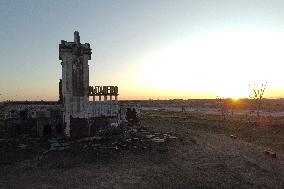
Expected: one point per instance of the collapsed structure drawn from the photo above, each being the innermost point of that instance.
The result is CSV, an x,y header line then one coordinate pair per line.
x,y
73,115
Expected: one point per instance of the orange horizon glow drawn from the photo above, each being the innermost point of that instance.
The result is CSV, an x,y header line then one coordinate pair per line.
x,y
168,50
134,95
198,67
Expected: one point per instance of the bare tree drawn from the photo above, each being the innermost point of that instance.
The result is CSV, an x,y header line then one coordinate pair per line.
x,y
258,92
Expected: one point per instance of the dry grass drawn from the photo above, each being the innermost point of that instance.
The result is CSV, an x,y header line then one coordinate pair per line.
x,y
268,132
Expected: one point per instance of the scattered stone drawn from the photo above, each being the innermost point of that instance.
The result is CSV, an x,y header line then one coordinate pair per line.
x,y
158,140
23,146
169,136
150,136
135,139
172,137
109,147
233,136
86,139
134,130
56,145
114,125
61,148
145,132
270,153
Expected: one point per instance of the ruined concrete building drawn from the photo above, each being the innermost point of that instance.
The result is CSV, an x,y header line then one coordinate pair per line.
x,y
73,115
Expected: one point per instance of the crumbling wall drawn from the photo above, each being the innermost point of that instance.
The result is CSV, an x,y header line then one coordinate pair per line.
x,y
79,127
33,118
103,108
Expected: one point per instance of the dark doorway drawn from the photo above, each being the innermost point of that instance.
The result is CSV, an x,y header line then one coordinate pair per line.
x,y
47,131
59,129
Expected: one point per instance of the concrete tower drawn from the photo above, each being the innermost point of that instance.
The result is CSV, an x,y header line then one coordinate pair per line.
x,y
75,79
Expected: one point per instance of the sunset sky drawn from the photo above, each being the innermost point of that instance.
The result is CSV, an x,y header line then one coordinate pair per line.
x,y
149,49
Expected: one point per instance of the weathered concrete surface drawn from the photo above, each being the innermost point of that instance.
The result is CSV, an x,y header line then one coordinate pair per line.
x,y
32,117
75,79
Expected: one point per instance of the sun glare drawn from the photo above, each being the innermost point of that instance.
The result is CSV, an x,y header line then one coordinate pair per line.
x,y
221,64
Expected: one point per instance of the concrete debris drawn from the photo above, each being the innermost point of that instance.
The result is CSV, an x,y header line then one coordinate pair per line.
x,y
135,139
59,145
114,125
60,148
109,147
233,136
134,130
86,139
132,117
129,140
156,139
270,153
172,137
150,136
145,132
23,146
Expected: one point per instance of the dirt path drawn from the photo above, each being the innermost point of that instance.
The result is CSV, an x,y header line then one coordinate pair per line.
x,y
221,162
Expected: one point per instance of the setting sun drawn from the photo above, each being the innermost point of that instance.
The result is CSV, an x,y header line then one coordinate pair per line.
x,y
221,64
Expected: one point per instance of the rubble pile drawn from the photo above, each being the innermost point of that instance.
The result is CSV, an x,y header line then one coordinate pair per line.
x,y
57,151
131,139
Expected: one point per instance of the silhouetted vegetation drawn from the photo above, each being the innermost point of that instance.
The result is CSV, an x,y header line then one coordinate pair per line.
x,y
258,93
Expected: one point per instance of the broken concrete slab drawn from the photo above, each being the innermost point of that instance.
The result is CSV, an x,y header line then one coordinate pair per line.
x,y
270,153
158,140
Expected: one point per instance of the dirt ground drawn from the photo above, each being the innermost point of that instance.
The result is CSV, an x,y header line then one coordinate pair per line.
x,y
200,157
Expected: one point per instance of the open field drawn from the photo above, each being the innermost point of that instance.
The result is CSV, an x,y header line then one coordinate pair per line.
x,y
267,132
202,156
